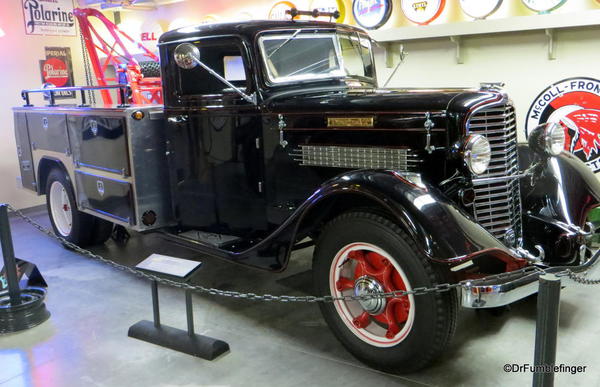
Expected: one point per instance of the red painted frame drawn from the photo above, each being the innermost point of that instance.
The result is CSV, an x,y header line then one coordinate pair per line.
x,y
143,90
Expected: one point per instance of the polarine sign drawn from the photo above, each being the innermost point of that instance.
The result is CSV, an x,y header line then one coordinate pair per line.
x,y
575,104
49,17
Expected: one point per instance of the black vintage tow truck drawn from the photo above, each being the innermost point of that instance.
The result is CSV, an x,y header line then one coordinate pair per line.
x,y
275,133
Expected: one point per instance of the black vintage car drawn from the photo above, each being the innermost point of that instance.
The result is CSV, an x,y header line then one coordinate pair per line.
x,y
274,136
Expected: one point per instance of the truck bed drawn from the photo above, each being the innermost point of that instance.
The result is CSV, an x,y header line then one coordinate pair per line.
x,y
116,163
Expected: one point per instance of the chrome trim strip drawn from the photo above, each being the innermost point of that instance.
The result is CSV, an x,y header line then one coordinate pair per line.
x,y
355,157
494,294
497,179
497,123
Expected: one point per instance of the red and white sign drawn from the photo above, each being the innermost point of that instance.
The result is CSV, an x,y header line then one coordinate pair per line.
x,y
575,104
57,70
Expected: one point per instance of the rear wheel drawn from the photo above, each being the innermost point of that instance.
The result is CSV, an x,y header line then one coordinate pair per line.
x,y
360,253
67,222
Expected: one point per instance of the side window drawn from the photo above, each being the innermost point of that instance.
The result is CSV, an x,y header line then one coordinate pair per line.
x,y
235,71
224,56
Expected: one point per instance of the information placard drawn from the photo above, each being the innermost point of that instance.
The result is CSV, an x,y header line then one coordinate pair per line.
x,y
173,266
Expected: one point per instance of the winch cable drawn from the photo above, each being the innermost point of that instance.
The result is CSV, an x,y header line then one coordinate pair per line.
x,y
87,70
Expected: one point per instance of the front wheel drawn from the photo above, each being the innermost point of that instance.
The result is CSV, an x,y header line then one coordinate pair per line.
x,y
359,253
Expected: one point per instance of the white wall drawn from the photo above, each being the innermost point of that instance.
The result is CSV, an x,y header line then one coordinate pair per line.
x,y
518,59
19,69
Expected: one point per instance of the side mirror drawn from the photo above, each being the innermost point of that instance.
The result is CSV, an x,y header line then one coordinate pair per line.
x,y
187,56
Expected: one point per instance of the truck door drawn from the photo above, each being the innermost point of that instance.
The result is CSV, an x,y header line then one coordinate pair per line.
x,y
217,160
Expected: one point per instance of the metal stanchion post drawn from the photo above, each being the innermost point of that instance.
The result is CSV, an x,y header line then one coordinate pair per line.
x,y
546,330
155,306
8,253
189,311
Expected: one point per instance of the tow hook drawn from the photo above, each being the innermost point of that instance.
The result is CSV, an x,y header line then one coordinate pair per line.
x,y
526,254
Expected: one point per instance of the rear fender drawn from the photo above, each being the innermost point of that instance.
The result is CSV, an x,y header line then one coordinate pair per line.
x,y
45,165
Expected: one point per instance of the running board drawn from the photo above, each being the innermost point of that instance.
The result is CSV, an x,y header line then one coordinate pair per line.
x,y
219,241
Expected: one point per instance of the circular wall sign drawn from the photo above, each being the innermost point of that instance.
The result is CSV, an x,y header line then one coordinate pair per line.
x,y
543,5
330,6
422,11
371,14
277,12
575,104
480,9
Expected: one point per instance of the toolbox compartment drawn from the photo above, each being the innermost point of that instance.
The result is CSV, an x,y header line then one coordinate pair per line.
x,y
106,196
101,142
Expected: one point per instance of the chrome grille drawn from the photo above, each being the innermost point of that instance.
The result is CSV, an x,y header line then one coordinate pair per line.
x,y
497,205
355,157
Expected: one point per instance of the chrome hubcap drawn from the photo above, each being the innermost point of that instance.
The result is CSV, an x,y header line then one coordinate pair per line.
x,y
366,285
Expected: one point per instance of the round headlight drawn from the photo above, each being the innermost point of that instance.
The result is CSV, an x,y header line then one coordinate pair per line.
x,y
554,138
477,154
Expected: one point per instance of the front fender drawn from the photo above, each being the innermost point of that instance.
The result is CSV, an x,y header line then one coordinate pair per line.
x,y
442,231
561,197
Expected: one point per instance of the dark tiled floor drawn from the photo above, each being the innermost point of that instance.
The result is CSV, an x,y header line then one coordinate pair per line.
x,y
85,342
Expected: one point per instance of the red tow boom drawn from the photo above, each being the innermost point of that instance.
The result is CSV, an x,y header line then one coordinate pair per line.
x,y
144,90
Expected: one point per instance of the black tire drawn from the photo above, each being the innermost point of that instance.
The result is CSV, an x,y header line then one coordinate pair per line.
x,y
82,224
101,231
434,315
150,69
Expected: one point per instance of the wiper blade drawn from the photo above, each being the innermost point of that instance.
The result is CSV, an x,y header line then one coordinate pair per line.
x,y
284,43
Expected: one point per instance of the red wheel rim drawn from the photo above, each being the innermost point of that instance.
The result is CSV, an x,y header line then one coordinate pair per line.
x,y
390,322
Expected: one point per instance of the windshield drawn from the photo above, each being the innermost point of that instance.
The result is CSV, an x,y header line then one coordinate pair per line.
x,y
310,55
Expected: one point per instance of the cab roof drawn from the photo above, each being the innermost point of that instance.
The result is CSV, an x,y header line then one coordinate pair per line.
x,y
248,29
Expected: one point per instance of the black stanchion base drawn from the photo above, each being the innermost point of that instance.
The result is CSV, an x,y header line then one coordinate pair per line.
x,y
28,314
179,340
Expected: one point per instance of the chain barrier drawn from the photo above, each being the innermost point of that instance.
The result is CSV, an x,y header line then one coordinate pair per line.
x,y
438,288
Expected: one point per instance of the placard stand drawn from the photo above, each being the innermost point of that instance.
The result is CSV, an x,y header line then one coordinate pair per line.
x,y
179,340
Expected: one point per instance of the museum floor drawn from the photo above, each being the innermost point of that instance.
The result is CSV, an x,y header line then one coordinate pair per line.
x,y
272,344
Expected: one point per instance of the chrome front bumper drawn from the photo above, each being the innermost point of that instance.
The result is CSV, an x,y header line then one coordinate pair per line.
x,y
500,292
